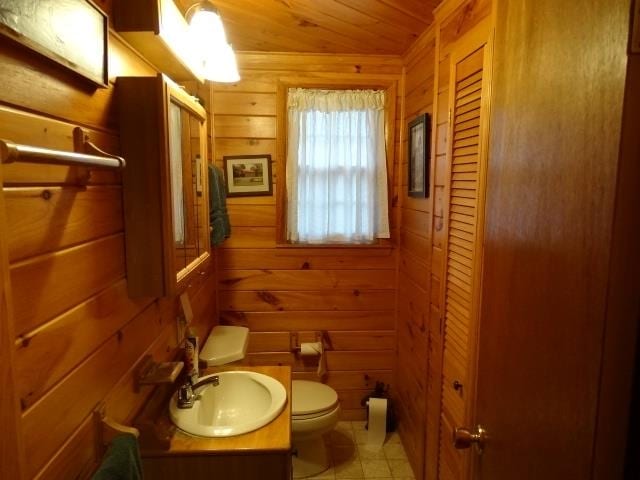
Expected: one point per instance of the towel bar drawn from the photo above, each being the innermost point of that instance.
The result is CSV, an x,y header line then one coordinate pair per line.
x,y
107,429
11,152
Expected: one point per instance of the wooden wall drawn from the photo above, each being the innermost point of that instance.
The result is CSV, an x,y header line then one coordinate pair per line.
x,y
348,293
71,335
415,256
423,225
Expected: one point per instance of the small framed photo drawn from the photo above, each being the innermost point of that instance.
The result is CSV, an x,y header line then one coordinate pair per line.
x,y
248,175
72,33
419,156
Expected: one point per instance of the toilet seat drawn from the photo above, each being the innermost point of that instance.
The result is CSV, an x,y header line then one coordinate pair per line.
x,y
311,399
311,416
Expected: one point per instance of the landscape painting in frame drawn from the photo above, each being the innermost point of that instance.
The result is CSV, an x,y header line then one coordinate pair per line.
x,y
248,175
72,33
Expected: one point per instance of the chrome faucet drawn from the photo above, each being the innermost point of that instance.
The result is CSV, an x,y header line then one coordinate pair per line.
x,y
186,396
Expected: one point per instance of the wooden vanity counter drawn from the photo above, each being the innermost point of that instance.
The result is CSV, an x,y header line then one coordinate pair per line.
x,y
264,453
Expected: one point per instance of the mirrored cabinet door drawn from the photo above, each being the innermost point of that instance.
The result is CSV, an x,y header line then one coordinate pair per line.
x,y
166,197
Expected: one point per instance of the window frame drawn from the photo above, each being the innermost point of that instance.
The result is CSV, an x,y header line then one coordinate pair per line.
x,y
390,88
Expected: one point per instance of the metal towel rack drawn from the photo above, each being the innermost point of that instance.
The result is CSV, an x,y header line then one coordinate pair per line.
x,y
13,152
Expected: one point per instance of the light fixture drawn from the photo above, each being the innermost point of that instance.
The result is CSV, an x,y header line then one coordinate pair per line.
x,y
207,33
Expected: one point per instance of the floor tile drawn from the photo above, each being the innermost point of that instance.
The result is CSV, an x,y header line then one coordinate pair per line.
x,y
341,436
358,425
367,452
394,451
329,474
393,437
346,462
375,468
343,453
401,469
361,436
352,458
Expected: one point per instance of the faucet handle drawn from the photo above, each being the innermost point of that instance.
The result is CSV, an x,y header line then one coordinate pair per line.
x,y
186,398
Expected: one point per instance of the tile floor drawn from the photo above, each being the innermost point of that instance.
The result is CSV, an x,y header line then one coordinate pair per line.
x,y
352,459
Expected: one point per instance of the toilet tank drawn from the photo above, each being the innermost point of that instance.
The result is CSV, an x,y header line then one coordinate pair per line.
x,y
225,344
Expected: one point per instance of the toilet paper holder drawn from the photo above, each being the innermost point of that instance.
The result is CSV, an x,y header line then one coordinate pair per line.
x,y
318,337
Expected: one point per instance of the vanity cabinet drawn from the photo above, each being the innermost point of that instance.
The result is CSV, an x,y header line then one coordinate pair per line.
x,y
163,137
264,454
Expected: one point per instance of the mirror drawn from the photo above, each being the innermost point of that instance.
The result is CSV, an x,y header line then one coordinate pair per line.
x,y
163,137
190,225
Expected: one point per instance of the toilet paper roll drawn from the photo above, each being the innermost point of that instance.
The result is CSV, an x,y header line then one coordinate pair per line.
x,y
314,349
311,349
377,422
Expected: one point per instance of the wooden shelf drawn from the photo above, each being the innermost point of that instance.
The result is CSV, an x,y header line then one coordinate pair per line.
x,y
157,29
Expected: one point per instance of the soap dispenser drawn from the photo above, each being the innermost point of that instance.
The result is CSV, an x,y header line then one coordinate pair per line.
x,y
191,355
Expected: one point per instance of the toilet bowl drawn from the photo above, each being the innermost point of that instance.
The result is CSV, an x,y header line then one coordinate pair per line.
x,y
314,411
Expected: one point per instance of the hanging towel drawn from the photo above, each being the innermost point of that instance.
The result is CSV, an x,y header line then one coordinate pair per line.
x,y
218,216
122,460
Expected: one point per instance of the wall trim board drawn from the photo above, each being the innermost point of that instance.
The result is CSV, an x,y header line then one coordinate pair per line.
x,y
12,453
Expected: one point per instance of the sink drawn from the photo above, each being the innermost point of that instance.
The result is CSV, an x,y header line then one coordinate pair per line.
x,y
241,402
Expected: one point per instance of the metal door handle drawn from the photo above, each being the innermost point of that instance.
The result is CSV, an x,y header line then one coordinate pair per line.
x,y
465,438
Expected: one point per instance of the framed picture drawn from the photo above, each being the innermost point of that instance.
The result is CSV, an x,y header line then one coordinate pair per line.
x,y
248,175
72,33
419,156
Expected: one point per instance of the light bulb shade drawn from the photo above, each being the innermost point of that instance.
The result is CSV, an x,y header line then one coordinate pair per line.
x,y
220,65
206,28
209,39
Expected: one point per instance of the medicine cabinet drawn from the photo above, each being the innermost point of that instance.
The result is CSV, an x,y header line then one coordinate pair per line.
x,y
163,137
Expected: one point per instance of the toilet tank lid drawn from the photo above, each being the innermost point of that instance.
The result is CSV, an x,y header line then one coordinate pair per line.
x,y
225,344
311,397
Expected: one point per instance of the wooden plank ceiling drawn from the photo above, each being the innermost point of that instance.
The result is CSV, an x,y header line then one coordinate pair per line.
x,y
386,27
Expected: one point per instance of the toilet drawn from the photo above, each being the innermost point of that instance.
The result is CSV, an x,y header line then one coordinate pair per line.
x,y
314,411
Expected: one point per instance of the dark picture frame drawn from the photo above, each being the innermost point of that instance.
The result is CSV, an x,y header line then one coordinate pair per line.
x,y
419,155
248,175
71,33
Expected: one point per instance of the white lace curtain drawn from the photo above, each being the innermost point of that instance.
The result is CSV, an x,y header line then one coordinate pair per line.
x,y
336,167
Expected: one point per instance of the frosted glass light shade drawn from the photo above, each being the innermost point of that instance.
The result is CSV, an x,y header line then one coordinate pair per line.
x,y
220,65
207,29
210,40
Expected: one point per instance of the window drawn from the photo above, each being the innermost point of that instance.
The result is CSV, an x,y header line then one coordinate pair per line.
x,y
336,167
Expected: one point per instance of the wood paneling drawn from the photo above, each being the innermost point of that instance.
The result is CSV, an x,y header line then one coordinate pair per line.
x,y
309,259
46,354
337,299
335,26
51,218
87,268
306,279
414,280
72,401
310,320
76,337
425,222
12,453
279,292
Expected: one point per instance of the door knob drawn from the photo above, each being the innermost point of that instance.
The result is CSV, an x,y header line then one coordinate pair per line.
x,y
464,438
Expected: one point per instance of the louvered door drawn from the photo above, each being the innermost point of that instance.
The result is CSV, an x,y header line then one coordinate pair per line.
x,y
464,249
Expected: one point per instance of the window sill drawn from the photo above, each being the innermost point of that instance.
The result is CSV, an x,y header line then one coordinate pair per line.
x,y
382,244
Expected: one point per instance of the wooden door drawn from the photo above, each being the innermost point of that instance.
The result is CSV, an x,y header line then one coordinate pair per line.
x,y
551,267
469,92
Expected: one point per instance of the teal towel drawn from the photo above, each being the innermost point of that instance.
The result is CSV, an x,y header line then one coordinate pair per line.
x,y
122,460
218,216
